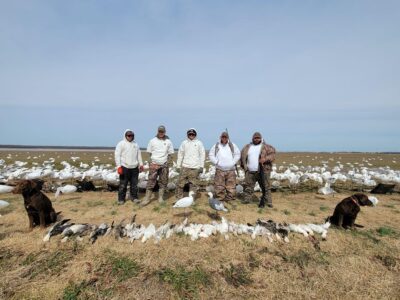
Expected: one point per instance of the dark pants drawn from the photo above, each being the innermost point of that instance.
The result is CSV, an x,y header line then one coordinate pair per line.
x,y
128,176
250,181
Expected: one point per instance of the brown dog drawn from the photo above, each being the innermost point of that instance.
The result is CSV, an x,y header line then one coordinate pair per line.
x,y
346,211
38,206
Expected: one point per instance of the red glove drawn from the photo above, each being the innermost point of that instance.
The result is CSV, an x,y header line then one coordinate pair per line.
x,y
141,168
120,170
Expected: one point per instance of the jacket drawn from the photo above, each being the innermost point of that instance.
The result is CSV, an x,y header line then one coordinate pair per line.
x,y
267,153
223,158
159,150
128,154
191,154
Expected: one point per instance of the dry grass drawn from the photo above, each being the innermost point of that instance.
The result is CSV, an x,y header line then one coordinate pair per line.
x,y
350,264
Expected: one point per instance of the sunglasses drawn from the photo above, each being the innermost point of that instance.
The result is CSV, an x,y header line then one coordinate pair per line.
x,y
129,135
257,138
191,133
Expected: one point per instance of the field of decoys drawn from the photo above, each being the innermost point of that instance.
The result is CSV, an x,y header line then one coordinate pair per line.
x,y
198,247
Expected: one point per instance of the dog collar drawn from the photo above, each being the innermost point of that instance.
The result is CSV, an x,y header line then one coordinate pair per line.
x,y
356,203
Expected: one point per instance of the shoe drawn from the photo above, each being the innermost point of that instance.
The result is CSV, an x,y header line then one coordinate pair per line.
x,y
147,198
270,205
161,195
136,201
121,202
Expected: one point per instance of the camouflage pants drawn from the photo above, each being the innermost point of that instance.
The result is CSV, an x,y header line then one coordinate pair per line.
x,y
162,173
250,180
225,182
187,175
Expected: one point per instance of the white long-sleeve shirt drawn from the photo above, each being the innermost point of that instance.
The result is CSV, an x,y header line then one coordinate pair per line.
x,y
224,160
191,154
159,150
128,154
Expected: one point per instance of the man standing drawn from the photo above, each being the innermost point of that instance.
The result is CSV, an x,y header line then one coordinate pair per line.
x,y
256,160
128,160
191,156
161,151
224,155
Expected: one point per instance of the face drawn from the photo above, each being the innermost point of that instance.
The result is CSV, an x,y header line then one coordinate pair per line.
x,y
224,139
256,140
191,136
161,134
129,136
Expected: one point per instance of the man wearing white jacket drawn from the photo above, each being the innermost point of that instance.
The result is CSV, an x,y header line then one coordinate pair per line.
x,y
128,160
224,155
191,157
161,151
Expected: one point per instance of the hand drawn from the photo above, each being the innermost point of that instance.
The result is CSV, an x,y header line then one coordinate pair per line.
x,y
201,170
120,170
262,160
178,170
141,168
154,167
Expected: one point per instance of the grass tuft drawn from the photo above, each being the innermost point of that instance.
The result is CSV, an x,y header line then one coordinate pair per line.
x,y
123,267
237,275
388,261
94,203
185,282
323,208
386,231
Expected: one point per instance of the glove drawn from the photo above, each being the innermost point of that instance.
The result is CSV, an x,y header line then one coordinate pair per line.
x,y
120,170
178,170
141,168
201,170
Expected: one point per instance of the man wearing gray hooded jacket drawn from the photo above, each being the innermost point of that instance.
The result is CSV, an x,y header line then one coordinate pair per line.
x,y
128,160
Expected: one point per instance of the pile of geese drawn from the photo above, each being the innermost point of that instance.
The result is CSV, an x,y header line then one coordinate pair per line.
x,y
135,232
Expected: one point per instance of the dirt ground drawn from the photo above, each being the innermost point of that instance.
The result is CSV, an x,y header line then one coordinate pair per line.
x,y
350,264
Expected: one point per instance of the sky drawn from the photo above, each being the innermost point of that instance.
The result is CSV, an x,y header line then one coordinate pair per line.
x,y
309,75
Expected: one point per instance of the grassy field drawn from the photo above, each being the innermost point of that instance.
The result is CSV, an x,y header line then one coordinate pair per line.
x,y
351,264
359,264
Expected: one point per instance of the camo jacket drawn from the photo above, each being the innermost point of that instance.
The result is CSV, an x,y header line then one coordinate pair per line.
x,y
267,153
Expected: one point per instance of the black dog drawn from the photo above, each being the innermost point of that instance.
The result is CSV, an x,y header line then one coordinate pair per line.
x,y
38,206
346,211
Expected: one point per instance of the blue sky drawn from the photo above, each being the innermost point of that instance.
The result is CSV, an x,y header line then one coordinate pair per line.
x,y
309,75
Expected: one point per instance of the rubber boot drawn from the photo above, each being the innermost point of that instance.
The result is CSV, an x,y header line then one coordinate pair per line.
x,y
147,198
161,195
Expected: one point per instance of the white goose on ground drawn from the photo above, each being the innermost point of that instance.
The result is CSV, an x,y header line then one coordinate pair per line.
x,y
185,201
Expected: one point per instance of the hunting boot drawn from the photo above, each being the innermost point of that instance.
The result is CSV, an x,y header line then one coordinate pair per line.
x,y
161,195
262,202
147,198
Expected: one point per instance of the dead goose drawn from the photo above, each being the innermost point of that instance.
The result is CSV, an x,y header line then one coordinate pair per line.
x,y
57,228
99,231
